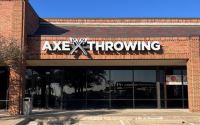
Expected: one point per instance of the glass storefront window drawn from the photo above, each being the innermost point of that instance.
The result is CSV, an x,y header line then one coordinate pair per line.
x,y
121,88
97,84
121,84
107,87
97,88
74,89
4,87
176,81
145,88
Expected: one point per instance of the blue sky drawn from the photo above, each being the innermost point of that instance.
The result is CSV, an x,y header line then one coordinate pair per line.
x,y
116,8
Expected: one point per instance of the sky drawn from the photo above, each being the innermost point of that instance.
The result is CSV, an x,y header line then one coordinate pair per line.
x,y
116,8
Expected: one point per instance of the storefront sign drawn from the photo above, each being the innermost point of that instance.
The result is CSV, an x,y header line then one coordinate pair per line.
x,y
176,80
83,44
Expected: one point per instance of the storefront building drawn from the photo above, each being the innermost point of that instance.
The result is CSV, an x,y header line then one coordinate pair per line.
x,y
101,63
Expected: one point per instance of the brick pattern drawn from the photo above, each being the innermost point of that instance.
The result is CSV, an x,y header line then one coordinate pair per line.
x,y
172,48
14,31
11,20
15,92
6,18
193,71
32,20
135,20
117,31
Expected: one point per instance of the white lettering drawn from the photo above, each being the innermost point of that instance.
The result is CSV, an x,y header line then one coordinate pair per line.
x,y
65,46
109,46
130,45
46,46
100,46
119,46
91,45
146,45
155,46
56,45
139,45
78,44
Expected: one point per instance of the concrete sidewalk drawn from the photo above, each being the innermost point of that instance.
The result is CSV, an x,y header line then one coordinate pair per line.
x,y
116,117
105,117
6,119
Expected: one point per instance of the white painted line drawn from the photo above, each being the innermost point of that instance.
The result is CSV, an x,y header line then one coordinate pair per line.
x,y
128,123
191,124
122,123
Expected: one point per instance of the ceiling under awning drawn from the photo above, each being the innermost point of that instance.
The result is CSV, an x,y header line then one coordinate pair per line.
x,y
106,62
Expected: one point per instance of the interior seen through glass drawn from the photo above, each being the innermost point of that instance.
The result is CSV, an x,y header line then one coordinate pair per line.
x,y
4,77
107,87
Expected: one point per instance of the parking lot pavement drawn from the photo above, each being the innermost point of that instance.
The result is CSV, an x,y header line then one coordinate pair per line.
x,y
106,117
113,122
116,117
6,119
12,121
84,122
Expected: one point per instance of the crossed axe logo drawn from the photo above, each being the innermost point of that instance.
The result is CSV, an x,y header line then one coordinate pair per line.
x,y
78,45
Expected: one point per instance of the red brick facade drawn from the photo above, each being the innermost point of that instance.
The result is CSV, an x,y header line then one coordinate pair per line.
x,y
14,26
193,70
18,20
172,47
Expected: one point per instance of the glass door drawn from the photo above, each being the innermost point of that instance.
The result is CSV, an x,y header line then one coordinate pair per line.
x,y
145,89
44,87
121,88
175,88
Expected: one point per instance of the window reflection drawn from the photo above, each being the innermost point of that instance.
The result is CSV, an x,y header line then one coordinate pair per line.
x,y
3,86
121,84
97,85
145,88
106,87
121,88
144,76
74,89
175,87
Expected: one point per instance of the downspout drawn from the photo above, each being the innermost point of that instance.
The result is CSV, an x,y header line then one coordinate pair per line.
x,y
22,55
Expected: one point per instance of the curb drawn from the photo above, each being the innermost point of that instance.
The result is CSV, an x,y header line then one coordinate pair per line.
x,y
24,121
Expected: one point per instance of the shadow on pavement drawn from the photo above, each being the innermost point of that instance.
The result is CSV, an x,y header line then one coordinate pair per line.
x,y
61,117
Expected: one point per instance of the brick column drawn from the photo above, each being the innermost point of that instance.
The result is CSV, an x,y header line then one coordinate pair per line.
x,y
15,90
13,26
193,72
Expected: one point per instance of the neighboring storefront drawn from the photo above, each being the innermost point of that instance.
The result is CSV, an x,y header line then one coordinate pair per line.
x,y
101,63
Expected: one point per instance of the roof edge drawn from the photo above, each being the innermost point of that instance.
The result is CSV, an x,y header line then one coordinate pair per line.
x,y
121,21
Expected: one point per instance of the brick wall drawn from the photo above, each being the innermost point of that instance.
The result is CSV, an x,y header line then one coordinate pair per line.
x,y
12,27
32,20
12,18
11,21
187,48
6,11
135,20
172,48
193,71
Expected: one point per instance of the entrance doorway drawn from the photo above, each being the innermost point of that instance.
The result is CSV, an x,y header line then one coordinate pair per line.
x,y
3,87
107,87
